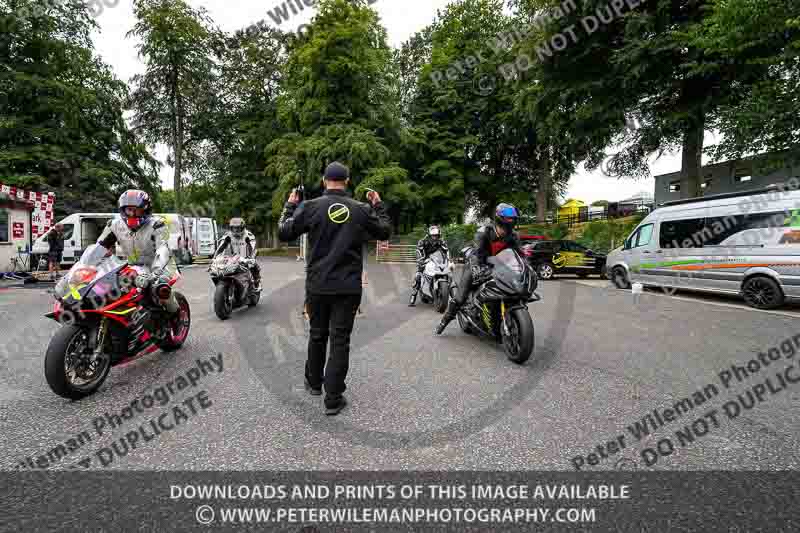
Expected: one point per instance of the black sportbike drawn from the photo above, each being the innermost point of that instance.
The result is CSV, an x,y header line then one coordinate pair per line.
x,y
234,285
498,310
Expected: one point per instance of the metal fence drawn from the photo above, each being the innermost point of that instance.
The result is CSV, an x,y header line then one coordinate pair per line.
x,y
385,252
586,216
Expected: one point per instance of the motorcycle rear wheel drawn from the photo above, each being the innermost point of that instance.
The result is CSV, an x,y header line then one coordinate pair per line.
x,y
518,343
61,347
223,301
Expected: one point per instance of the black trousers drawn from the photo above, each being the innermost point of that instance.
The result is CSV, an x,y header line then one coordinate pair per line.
x,y
331,316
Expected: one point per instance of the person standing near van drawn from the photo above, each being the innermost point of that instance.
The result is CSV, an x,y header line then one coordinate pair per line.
x,y
55,239
338,226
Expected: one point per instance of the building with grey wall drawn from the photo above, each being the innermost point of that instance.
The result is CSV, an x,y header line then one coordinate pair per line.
x,y
727,176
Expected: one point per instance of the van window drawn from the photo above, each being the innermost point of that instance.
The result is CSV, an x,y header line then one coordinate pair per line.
x,y
682,233
645,233
68,230
640,237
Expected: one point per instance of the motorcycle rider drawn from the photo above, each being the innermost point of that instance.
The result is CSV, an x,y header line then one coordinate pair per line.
x,y
144,241
425,247
237,242
490,240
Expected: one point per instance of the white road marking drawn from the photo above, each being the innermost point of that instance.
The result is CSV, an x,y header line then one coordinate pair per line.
x,y
699,298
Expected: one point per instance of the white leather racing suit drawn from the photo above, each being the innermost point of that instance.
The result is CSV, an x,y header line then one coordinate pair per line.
x,y
147,247
230,245
236,246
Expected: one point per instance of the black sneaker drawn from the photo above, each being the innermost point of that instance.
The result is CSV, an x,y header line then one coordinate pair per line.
x,y
312,390
336,408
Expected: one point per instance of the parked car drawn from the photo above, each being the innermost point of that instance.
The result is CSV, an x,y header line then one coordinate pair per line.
x,y
745,243
552,257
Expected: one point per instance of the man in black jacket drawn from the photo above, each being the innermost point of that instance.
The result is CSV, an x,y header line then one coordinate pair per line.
x,y
337,226
490,240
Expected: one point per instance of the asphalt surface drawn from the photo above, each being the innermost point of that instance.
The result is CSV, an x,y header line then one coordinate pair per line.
x,y
602,361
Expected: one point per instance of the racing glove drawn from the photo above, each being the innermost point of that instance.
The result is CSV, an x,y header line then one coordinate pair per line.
x,y
480,273
143,281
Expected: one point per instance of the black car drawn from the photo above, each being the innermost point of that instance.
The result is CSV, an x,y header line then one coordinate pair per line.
x,y
550,258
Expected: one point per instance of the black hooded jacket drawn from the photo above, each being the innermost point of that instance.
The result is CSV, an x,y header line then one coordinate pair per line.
x,y
338,227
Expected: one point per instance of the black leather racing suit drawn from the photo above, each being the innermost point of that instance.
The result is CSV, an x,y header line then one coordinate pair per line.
x,y
425,247
487,244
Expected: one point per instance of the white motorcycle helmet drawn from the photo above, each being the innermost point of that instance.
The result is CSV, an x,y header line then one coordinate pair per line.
x,y
435,233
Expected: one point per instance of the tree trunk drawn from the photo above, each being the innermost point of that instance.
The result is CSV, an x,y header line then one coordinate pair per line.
x,y
179,158
691,158
176,105
542,192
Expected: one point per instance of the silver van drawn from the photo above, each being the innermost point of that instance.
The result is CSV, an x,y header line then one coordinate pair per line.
x,y
745,243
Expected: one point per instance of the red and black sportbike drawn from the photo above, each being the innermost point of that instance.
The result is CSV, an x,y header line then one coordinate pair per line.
x,y
107,321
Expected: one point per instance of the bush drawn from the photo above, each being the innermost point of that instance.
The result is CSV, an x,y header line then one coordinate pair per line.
x,y
601,234
457,236
558,231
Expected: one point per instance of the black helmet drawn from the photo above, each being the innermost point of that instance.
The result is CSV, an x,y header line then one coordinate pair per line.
x,y
506,216
140,201
237,226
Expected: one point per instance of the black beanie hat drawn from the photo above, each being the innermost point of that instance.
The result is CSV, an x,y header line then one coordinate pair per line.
x,y
337,172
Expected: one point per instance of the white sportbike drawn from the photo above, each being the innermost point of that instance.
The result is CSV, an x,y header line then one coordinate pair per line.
x,y
437,277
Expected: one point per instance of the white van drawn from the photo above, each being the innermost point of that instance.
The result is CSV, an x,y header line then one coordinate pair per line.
x,y
745,243
179,236
83,229
204,235
80,231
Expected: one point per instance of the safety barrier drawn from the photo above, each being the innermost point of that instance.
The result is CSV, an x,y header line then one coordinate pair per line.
x,y
395,253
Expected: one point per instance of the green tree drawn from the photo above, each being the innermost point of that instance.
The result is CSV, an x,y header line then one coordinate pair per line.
x,y
339,102
761,115
648,64
61,111
251,64
173,99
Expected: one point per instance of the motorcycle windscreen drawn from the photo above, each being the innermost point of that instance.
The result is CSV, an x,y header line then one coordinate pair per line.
x,y
94,264
509,272
438,257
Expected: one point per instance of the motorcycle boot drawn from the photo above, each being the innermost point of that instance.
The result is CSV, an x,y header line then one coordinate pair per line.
x,y
256,271
415,289
451,312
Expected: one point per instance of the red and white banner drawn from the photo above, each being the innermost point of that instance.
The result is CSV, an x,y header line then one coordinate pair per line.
x,y
42,216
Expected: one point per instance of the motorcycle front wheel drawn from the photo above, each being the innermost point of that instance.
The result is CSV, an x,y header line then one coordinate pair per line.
x,y
440,296
223,301
67,361
179,326
518,342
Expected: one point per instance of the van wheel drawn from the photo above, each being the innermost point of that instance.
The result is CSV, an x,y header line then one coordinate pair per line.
x,y
620,278
762,292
